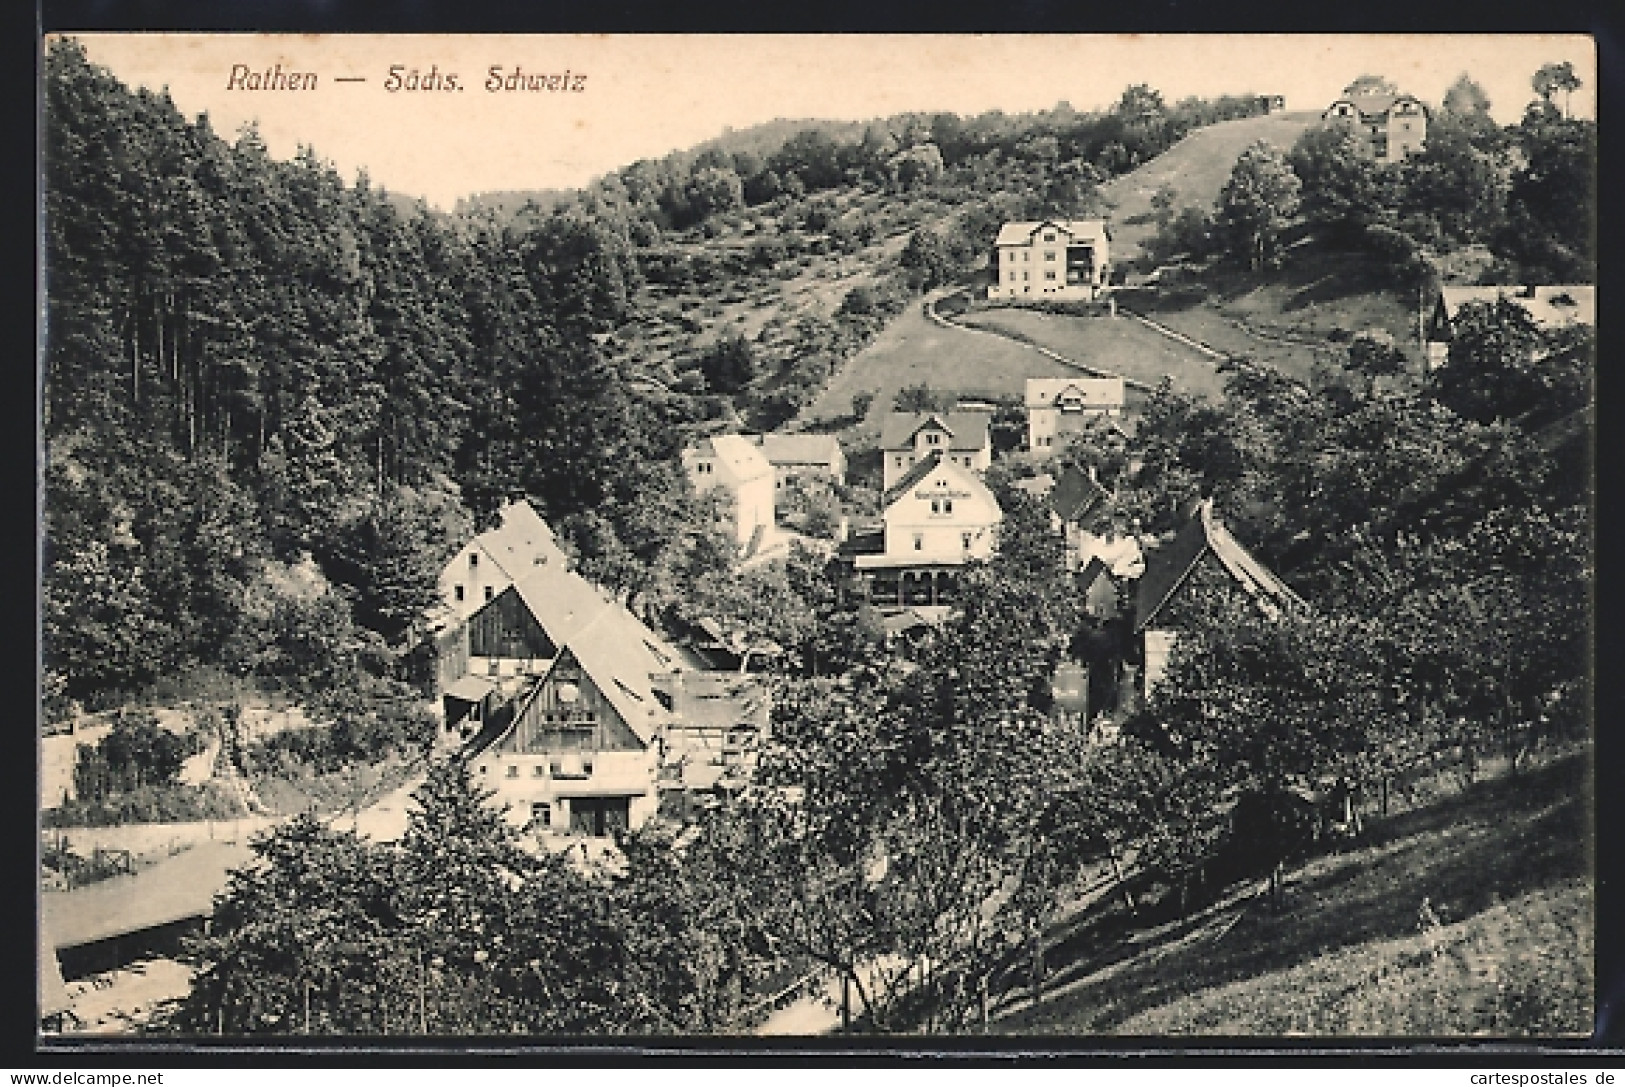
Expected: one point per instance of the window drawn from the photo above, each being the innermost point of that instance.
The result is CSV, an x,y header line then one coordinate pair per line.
x,y
513,771
900,462
493,666
1049,235
1049,256
1026,255
541,812
919,541
538,771
933,439
1012,275
1024,276
457,593
488,592
473,560
936,506
964,540
947,505
1049,273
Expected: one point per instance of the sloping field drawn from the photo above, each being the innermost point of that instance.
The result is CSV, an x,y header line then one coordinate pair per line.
x,y
1119,345
1197,167
914,349
1507,950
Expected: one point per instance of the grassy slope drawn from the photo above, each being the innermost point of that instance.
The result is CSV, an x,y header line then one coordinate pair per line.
x,y
1197,167
1505,866
1312,296
1121,346
912,349
1314,292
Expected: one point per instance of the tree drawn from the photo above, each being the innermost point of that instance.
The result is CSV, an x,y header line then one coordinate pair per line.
x,y
1555,77
919,165
1162,203
303,941
1371,84
927,258
1342,190
729,365
1256,203
1492,370
1466,102
920,398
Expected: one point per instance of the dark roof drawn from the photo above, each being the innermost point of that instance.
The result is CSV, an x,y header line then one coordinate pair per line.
x,y
968,430
1077,496
921,469
1168,566
1092,571
1376,105
869,540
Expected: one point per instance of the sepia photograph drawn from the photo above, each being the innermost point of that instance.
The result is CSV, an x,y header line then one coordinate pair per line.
x,y
863,539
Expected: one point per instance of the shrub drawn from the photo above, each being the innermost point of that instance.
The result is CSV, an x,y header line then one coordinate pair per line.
x,y
150,804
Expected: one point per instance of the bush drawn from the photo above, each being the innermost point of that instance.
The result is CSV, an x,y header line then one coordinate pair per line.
x,y
136,754
150,804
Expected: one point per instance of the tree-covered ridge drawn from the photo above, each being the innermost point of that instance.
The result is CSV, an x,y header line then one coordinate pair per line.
x,y
249,362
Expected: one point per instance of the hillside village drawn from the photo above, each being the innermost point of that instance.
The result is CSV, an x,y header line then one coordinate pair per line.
x,y
859,586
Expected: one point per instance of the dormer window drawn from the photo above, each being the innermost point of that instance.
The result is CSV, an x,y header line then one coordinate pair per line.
x,y
1049,235
933,438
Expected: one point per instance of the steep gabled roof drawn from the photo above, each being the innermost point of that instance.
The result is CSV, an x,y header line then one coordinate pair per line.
x,y
1095,392
1076,496
621,671
1375,105
521,541
963,476
1083,230
565,605
968,431
1169,566
921,469
562,602
743,460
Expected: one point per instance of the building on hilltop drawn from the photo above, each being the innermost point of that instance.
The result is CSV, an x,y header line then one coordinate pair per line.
x,y
1392,126
1051,258
495,559
1058,407
733,462
964,438
1550,307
